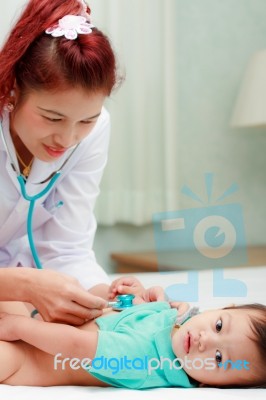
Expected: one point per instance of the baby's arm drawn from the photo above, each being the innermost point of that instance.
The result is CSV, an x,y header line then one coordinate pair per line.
x,y
131,285
49,337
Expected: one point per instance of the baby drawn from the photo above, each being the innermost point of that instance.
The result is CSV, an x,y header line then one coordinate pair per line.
x,y
154,344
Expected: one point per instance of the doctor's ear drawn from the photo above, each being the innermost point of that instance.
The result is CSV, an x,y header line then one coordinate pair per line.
x,y
14,97
15,91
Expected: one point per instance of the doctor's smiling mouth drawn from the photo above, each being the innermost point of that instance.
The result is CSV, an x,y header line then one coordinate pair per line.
x,y
54,152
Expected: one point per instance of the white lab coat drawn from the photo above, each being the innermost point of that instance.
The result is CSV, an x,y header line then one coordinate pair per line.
x,y
63,236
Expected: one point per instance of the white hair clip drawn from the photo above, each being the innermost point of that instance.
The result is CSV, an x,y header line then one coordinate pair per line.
x,y
70,26
84,13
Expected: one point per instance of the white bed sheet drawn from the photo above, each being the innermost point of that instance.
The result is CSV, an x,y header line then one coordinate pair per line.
x,y
253,277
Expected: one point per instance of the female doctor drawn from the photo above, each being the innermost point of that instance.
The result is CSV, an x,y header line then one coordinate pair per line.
x,y
56,70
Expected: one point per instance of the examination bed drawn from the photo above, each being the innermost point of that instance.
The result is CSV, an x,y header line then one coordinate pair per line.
x,y
254,278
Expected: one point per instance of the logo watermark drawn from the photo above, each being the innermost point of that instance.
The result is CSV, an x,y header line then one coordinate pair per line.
x,y
238,364
149,364
211,236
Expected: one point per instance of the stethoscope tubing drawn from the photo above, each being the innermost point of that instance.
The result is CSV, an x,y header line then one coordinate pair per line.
x,y
32,200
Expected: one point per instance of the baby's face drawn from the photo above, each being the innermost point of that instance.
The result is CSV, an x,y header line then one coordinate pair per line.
x,y
212,338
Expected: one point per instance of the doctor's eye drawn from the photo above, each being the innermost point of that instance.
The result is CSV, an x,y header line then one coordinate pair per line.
x,y
219,325
52,119
88,122
218,356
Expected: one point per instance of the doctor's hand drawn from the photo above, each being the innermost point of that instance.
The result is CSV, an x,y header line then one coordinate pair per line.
x,y
61,298
131,285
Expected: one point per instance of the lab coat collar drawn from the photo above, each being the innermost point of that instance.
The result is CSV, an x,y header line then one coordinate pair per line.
x,y
6,132
40,170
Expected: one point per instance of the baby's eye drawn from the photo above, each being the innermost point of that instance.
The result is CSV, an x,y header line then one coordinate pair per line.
x,y
218,356
219,325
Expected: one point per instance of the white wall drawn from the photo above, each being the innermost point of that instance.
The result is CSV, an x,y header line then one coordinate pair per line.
x,y
9,12
215,40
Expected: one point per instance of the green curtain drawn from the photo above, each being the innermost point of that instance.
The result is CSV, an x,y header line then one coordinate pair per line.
x,y
142,172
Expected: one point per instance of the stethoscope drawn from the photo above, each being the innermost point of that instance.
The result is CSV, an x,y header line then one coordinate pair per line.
x,y
123,301
33,198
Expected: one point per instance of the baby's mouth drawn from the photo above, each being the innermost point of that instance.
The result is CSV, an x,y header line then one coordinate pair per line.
x,y
187,343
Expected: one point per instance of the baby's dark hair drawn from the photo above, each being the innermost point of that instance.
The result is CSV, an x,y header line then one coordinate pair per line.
x,y
258,327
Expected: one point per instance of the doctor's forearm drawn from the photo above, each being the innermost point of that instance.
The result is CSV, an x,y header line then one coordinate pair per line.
x,y
14,283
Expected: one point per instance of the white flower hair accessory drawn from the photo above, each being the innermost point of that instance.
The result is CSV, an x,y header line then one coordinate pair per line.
x,y
84,13
70,26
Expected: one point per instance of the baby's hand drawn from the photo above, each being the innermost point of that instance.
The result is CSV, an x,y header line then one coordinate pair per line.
x,y
154,293
131,285
181,306
8,323
126,285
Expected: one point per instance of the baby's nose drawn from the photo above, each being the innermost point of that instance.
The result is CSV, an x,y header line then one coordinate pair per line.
x,y
194,340
207,340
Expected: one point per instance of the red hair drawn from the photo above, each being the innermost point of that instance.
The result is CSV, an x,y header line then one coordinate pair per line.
x,y
37,61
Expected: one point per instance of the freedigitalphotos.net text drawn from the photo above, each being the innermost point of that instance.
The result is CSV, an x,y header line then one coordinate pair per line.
x,y
145,363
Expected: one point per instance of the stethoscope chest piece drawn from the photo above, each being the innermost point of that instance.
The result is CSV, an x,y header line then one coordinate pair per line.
x,y
123,302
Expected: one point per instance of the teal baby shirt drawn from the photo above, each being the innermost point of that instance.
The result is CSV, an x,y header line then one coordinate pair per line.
x,y
134,349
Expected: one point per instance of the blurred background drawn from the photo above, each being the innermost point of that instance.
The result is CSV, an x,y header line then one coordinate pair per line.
x,y
184,62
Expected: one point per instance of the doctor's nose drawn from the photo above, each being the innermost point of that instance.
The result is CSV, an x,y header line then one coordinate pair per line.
x,y
67,138
65,141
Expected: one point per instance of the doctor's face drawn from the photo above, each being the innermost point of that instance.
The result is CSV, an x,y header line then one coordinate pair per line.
x,y
48,123
207,341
